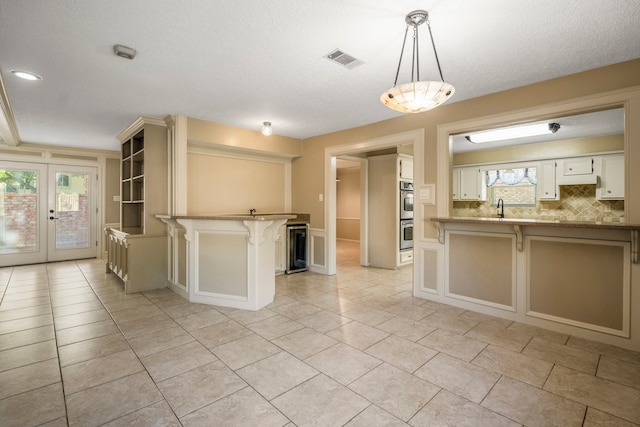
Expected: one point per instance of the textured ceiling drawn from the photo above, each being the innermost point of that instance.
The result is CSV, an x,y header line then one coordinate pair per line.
x,y
246,61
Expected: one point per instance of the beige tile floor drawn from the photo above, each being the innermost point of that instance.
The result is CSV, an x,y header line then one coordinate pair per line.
x,y
354,349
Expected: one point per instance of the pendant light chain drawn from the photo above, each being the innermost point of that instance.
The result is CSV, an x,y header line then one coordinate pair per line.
x,y
415,63
404,42
435,52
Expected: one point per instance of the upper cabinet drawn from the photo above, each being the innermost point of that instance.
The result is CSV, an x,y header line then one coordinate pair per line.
x,y
577,166
405,166
606,171
469,184
546,187
611,171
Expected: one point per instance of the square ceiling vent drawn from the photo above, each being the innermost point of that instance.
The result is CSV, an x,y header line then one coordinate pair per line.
x,y
340,57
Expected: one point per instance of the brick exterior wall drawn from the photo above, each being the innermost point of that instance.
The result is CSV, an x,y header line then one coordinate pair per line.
x,y
19,222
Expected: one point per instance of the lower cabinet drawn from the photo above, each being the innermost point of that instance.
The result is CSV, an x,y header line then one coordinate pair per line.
x,y
140,260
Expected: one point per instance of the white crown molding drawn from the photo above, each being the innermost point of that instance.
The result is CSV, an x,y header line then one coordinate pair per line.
x,y
8,129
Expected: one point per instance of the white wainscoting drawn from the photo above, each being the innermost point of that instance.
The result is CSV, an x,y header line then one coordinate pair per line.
x,y
317,251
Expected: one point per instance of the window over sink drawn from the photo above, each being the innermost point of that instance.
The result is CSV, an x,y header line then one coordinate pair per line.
x,y
515,186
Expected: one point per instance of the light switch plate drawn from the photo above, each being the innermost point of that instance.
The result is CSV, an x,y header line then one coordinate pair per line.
x,y
428,194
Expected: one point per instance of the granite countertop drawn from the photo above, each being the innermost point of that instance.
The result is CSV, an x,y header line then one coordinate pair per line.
x,y
231,217
539,222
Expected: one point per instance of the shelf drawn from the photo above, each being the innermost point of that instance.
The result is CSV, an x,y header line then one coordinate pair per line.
x,y
138,142
126,149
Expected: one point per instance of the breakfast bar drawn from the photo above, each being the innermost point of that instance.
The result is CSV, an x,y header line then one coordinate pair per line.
x,y
556,274
229,258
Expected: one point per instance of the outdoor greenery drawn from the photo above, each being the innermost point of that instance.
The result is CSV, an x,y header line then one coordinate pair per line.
x,y
11,181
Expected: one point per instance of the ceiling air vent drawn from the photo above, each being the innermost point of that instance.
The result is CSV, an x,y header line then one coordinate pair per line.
x,y
342,58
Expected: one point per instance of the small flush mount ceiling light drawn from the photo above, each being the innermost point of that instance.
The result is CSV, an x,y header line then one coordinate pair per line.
x,y
513,132
266,128
124,51
27,75
417,95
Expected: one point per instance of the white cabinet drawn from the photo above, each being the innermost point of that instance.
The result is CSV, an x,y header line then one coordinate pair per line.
x,y
384,212
471,183
455,184
546,187
137,252
611,172
576,171
405,166
577,166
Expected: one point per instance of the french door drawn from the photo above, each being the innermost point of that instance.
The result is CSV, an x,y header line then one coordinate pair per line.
x,y
47,213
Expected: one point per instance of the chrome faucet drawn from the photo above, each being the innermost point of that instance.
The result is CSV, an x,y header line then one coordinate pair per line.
x,y
252,211
500,207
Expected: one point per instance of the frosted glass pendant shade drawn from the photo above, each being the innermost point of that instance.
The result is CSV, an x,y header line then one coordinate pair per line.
x,y
416,97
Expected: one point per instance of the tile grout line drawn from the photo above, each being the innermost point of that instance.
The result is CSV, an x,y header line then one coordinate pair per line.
x,y
136,355
55,337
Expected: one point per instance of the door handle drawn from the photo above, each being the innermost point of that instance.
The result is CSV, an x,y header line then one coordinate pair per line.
x,y
53,217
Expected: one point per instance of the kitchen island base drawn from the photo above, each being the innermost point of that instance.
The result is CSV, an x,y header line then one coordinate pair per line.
x,y
229,259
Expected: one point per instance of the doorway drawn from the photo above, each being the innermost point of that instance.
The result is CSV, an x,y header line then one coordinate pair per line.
x,y
413,138
48,212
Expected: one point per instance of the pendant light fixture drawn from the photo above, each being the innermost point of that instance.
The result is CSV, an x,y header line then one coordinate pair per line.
x,y
417,95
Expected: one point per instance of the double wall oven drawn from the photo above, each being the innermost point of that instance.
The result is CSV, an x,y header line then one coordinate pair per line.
x,y
406,215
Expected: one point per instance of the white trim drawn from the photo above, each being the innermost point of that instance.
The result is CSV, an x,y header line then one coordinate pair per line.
x,y
610,99
138,124
514,267
626,285
415,136
315,233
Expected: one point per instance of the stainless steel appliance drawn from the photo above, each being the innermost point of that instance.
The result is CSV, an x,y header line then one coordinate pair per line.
x,y
297,248
406,234
406,200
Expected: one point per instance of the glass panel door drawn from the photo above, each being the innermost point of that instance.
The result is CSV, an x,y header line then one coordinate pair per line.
x,y
72,213
22,206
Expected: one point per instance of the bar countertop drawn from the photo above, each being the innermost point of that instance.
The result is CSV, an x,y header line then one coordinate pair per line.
x,y
538,222
230,217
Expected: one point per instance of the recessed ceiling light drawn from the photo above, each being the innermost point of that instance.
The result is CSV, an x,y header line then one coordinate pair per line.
x,y
25,75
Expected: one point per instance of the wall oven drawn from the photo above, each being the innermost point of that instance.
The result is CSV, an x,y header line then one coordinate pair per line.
x,y
406,234
406,200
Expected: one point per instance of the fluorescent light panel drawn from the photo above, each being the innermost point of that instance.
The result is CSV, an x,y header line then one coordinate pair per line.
x,y
513,132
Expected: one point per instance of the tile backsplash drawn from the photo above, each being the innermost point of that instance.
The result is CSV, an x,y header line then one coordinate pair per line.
x,y
577,203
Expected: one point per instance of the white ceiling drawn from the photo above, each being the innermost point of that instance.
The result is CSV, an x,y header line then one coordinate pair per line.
x,y
246,61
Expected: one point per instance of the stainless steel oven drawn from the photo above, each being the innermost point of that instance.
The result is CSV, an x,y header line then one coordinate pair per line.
x,y
406,234
406,200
